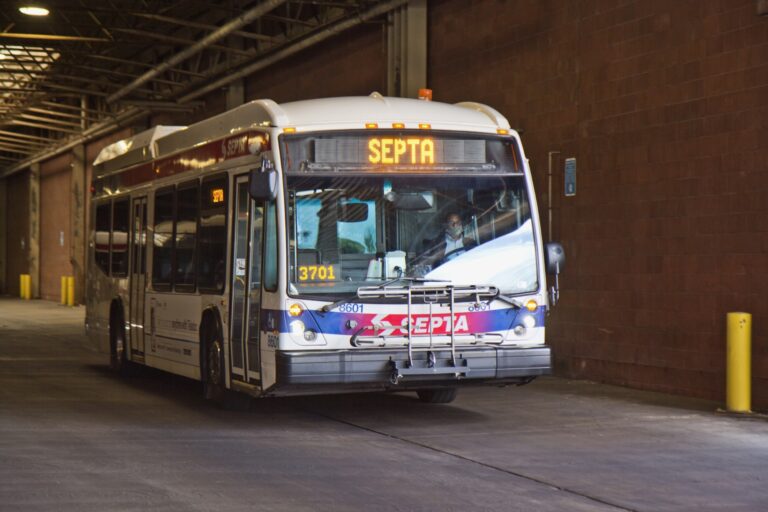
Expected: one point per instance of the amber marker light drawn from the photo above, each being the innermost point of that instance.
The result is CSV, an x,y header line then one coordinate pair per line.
x,y
425,126
531,305
398,126
502,131
371,126
289,130
295,309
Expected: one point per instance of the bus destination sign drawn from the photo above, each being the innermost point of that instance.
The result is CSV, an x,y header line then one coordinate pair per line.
x,y
396,150
403,150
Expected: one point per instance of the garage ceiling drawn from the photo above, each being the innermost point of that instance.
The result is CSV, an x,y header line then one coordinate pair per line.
x,y
89,65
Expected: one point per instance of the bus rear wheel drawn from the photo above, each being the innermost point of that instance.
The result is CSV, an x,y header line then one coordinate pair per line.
x,y
438,395
118,356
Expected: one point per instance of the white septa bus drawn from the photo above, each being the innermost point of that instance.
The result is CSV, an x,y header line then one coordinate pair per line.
x,y
303,248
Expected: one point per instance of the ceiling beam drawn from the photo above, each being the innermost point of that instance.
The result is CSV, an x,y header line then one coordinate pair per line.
x,y
53,37
236,24
43,126
26,136
204,26
289,50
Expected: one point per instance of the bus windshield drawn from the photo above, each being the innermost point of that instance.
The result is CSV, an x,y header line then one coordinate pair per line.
x,y
351,230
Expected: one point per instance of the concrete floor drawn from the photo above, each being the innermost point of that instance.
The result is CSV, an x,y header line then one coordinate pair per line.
x,y
75,437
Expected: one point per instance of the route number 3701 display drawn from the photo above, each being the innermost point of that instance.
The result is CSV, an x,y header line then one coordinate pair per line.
x,y
317,272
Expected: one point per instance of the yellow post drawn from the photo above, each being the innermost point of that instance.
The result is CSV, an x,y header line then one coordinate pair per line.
x,y
26,286
22,295
738,372
63,290
70,291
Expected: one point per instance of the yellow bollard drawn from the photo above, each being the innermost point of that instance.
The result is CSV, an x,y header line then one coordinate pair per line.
x,y
63,290
738,369
21,286
26,286
70,291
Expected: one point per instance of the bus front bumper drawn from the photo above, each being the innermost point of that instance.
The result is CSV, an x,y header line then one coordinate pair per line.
x,y
390,369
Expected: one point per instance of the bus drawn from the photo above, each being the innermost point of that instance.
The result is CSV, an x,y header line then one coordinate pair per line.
x,y
301,248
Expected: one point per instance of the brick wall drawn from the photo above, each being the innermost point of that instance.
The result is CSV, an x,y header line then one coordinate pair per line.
x,y
665,106
55,225
17,231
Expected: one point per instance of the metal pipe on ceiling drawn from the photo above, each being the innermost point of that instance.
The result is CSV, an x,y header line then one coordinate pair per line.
x,y
233,25
294,48
26,136
53,37
125,118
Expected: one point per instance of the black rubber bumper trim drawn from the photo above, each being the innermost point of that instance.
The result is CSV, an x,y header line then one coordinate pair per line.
x,y
374,366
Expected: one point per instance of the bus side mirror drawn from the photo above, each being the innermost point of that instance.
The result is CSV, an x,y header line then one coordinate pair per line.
x,y
554,258
263,182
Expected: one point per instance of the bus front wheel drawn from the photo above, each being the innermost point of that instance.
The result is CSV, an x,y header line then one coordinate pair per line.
x,y
437,396
214,370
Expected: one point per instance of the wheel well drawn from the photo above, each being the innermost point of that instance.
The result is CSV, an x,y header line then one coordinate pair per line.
x,y
116,315
210,323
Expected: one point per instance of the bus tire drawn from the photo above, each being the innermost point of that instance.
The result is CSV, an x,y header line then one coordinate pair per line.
x,y
213,380
438,395
118,353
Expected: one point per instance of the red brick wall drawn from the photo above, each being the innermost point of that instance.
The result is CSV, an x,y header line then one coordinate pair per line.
x,y
55,192
17,225
665,105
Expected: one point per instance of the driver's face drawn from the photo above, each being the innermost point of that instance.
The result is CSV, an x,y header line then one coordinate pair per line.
x,y
453,226
453,220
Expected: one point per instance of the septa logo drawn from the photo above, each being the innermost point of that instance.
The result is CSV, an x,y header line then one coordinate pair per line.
x,y
421,324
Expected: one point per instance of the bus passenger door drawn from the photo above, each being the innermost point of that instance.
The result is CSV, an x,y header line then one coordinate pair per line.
x,y
245,285
138,277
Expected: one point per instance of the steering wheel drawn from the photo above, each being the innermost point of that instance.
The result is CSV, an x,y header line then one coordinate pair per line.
x,y
451,255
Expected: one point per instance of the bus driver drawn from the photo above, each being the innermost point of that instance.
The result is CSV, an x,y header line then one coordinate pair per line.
x,y
449,243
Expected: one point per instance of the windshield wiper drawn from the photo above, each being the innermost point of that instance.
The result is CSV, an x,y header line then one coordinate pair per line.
x,y
509,300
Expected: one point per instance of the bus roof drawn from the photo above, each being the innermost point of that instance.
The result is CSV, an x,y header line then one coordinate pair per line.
x,y
352,112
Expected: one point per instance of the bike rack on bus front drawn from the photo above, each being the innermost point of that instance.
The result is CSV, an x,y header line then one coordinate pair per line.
x,y
431,294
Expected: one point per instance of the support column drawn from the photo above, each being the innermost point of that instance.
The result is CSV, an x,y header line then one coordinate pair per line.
x,y
235,94
407,49
3,236
235,90
78,227
34,229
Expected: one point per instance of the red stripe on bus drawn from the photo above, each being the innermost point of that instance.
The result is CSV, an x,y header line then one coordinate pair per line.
x,y
200,157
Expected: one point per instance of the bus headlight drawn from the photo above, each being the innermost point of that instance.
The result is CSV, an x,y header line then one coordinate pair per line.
x,y
297,327
524,323
529,321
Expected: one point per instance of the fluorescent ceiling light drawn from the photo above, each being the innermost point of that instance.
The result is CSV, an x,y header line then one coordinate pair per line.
x,y
34,10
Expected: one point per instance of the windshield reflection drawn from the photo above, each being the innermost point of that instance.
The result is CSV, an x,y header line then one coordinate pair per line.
x,y
352,231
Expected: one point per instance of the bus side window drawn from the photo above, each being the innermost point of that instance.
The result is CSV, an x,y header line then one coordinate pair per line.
x,y
101,236
186,236
212,239
119,245
162,250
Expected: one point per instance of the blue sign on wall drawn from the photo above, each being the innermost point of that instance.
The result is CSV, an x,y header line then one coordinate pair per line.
x,y
570,176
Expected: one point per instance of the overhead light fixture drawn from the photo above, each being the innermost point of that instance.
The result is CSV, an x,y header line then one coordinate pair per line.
x,y
34,10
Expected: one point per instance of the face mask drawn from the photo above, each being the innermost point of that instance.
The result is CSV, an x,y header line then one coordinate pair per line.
x,y
454,231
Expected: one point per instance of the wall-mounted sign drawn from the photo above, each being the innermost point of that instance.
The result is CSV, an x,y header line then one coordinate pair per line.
x,y
570,177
